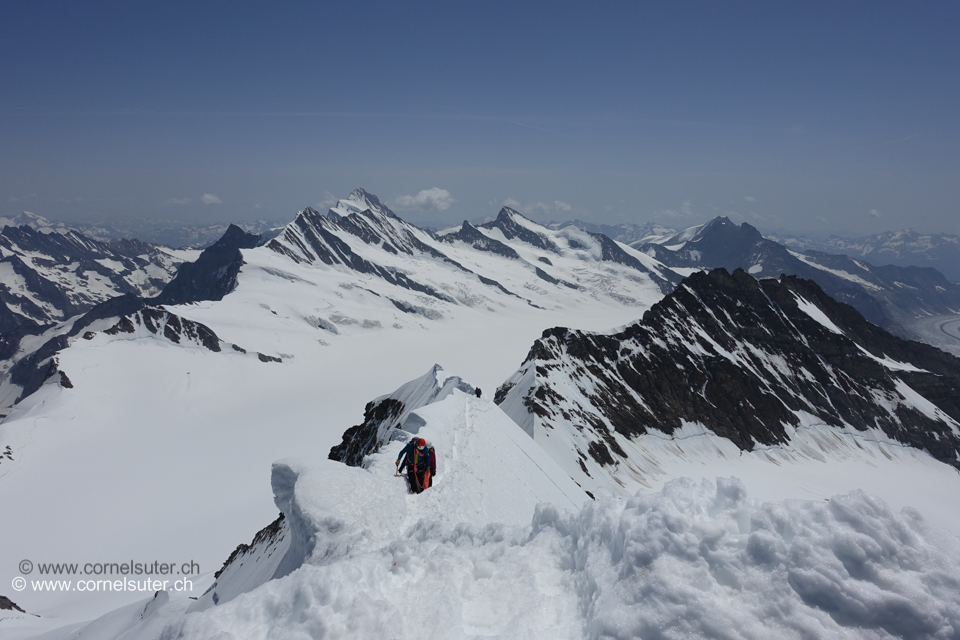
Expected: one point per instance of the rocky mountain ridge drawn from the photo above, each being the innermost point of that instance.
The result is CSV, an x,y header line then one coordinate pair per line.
x,y
891,297
47,277
751,361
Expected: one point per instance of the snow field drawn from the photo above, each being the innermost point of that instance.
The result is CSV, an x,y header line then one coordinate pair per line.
x,y
702,560
485,554
695,560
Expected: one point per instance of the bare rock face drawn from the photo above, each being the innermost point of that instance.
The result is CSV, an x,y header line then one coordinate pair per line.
x,y
9,605
745,358
214,274
391,417
159,321
366,437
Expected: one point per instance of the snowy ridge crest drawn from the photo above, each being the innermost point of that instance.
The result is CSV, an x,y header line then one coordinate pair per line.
x,y
745,359
332,512
386,414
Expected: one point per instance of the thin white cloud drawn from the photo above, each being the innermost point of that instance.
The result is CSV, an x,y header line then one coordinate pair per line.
x,y
537,207
178,201
209,198
328,201
686,211
435,199
873,213
749,198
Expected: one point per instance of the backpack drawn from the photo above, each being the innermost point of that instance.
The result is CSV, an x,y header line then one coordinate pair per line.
x,y
421,461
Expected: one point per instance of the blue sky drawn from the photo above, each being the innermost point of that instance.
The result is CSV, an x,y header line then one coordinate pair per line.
x,y
814,117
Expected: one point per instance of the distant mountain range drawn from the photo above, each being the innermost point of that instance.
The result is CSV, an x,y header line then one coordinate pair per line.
x,y
402,273
632,234
170,233
48,276
908,248
50,273
652,364
904,248
889,296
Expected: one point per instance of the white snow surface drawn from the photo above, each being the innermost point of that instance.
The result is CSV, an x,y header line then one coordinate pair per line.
x,y
837,272
816,313
694,560
164,451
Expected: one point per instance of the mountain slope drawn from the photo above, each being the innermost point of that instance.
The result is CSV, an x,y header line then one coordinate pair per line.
x,y
505,545
940,251
890,297
750,361
343,335
49,277
631,234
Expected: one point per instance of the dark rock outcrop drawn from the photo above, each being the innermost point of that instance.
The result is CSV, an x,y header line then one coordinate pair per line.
x,y
270,533
364,438
392,416
9,605
161,322
214,274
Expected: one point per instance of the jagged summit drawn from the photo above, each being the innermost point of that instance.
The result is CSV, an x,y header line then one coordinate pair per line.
x,y
360,201
214,274
513,224
752,361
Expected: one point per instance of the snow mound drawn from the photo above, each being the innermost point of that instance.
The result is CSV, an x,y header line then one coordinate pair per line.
x,y
695,560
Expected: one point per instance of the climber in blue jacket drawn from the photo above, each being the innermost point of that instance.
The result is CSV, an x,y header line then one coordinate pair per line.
x,y
420,461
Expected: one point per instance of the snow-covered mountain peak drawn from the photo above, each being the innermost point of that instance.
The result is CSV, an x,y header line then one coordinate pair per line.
x,y
753,362
34,221
721,230
514,225
360,201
